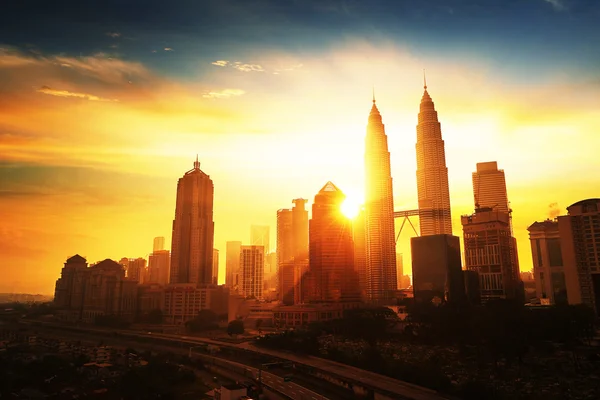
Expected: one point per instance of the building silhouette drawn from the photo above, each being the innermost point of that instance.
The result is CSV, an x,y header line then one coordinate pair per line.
x,y
83,293
193,229
491,251
331,276
548,266
292,250
158,267
135,268
252,267
579,232
215,267
489,187
359,235
437,270
381,275
432,173
159,243
232,265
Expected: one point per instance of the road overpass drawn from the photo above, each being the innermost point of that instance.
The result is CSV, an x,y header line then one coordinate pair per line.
x,y
376,385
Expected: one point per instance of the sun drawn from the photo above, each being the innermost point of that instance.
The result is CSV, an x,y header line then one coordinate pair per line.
x,y
351,205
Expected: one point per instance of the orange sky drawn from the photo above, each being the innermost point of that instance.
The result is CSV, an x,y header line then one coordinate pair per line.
x,y
91,148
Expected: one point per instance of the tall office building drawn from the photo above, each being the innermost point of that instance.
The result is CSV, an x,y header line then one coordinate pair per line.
x,y
215,267
135,268
579,232
359,235
491,251
159,243
432,174
158,267
259,236
292,249
489,187
331,250
437,270
193,229
232,266
548,267
381,277
252,266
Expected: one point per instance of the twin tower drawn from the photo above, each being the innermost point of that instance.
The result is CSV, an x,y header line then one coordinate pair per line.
x,y
379,276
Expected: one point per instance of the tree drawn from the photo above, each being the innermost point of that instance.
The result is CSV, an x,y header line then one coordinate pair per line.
x,y
235,327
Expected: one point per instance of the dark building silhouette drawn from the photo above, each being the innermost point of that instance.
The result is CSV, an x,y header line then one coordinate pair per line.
x,y
331,276
436,267
232,266
193,229
472,292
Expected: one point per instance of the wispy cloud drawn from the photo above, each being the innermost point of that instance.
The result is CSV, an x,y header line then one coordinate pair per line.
x,y
248,67
224,93
66,93
113,34
220,63
168,49
558,5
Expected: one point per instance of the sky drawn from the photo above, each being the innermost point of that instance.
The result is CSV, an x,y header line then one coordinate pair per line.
x,y
104,104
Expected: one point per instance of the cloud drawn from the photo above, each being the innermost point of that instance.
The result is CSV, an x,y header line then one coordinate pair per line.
x,y
224,94
248,67
113,34
168,49
220,63
66,93
558,5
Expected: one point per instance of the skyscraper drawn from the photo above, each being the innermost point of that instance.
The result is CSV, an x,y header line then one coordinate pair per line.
x,y
193,229
489,187
292,249
432,174
252,266
159,243
215,267
359,235
491,251
232,266
381,276
548,266
580,248
158,267
259,236
331,250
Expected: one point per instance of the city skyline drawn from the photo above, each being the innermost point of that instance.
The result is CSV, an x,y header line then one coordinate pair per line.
x,y
95,127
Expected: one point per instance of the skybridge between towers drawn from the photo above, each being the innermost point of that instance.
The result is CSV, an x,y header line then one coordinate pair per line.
x,y
429,213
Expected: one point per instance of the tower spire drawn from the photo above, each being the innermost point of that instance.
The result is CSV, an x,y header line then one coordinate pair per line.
x,y
373,94
196,163
424,80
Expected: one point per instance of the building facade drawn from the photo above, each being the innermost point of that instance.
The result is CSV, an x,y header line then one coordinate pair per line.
x,y
491,251
193,229
489,187
259,236
579,232
215,267
437,269
158,244
232,265
158,267
432,174
381,275
548,268
331,276
252,267
292,250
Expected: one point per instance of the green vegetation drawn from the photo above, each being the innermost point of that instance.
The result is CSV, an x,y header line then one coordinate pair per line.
x,y
205,321
499,344
235,327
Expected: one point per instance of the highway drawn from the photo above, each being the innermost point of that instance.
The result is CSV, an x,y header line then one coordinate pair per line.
x,y
394,387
